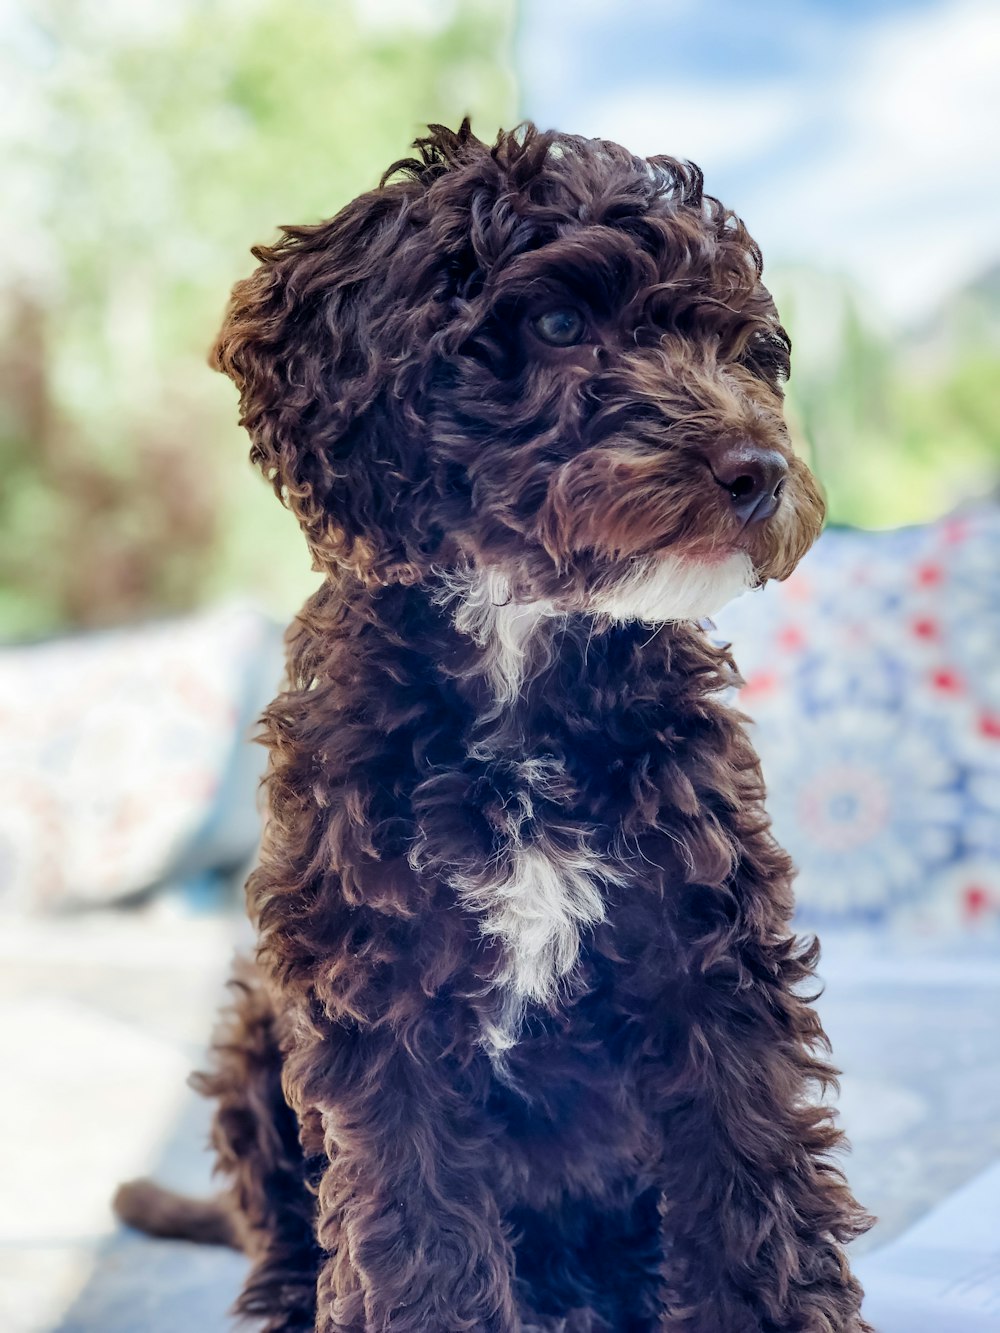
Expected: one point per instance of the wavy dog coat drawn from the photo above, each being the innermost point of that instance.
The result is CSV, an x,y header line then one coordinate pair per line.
x,y
527,1044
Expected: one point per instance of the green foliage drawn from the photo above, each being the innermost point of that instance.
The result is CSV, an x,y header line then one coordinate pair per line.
x,y
158,144
899,430
152,144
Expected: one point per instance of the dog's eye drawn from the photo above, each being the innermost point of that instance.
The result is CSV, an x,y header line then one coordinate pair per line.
x,y
768,354
561,328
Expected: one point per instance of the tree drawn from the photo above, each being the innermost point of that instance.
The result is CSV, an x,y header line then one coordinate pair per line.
x,y
154,145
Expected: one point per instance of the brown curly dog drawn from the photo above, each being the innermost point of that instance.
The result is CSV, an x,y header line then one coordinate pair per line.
x,y
526,1045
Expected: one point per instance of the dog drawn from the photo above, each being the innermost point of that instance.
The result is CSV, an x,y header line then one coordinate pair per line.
x,y
527,1043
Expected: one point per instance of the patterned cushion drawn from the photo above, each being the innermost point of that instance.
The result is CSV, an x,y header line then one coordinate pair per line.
x,y
873,675
117,749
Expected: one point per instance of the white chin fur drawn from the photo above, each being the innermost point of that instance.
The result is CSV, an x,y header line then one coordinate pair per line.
x,y
672,588
657,590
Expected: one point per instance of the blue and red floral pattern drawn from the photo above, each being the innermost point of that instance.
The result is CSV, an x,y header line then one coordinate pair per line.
x,y
873,679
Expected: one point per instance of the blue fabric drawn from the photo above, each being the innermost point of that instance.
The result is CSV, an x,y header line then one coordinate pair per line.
x,y
873,678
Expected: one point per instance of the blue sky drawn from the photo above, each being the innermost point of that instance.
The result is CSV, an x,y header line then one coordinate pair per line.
x,y
854,136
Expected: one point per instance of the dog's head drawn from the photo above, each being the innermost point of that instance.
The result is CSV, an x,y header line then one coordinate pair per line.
x,y
547,359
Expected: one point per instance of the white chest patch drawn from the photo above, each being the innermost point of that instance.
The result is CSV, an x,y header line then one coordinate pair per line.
x,y
548,895
486,611
547,885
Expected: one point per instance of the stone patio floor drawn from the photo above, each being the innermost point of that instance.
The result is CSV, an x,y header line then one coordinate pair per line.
x,y
102,1017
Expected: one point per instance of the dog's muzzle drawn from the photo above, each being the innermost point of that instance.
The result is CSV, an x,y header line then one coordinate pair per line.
x,y
754,478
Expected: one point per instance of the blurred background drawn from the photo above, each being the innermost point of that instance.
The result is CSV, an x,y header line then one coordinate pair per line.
x,y
148,145
146,571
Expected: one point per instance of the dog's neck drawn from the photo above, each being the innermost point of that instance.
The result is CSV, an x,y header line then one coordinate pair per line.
x,y
515,638
504,630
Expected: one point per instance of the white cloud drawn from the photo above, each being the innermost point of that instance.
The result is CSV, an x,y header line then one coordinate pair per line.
x,y
715,126
876,157
908,197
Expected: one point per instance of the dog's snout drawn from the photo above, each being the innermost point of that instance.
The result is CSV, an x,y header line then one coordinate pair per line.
x,y
754,478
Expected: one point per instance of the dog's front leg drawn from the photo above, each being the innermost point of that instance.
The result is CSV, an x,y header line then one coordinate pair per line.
x,y
406,1210
755,1216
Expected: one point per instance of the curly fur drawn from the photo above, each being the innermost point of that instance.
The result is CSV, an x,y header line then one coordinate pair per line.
x,y
528,1045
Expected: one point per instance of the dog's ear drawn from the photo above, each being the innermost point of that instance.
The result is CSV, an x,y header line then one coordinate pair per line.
x,y
315,341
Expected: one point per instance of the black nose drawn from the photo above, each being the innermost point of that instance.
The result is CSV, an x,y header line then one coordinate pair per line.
x,y
754,478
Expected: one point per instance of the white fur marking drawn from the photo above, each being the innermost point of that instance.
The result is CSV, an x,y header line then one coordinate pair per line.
x,y
672,588
488,614
550,890
538,910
